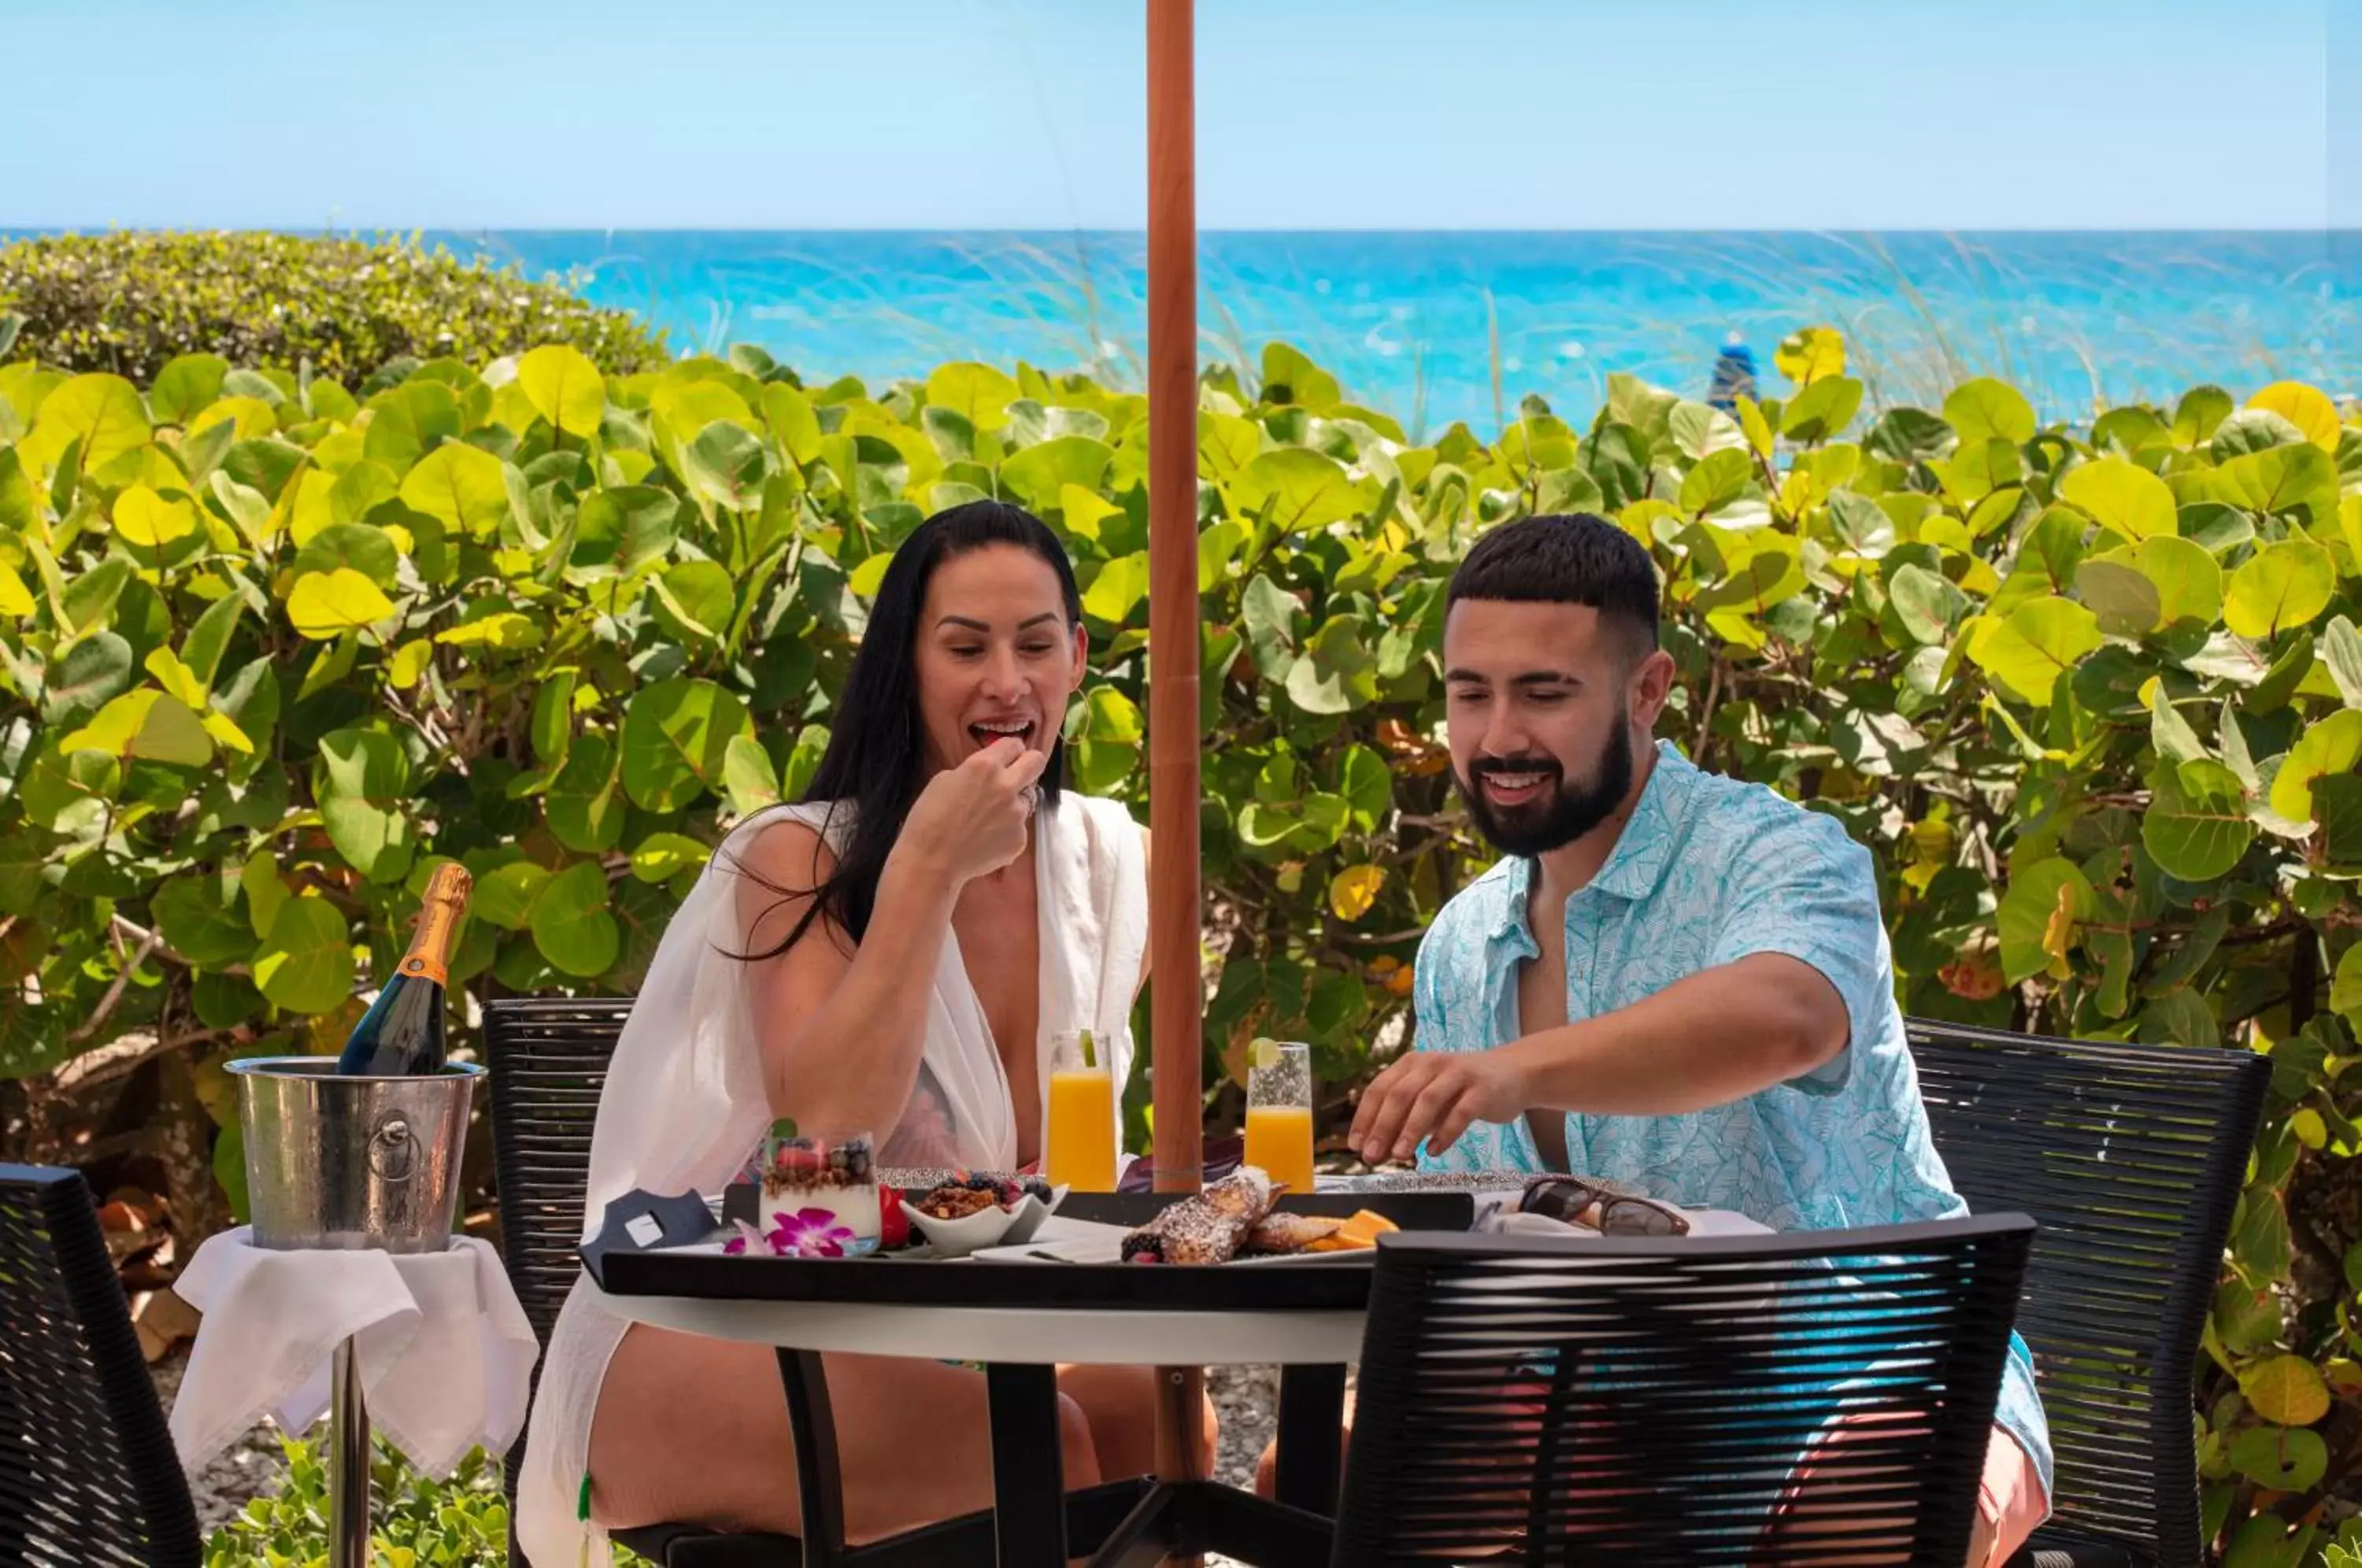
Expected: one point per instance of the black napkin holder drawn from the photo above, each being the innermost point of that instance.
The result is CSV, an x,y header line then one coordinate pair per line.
x,y
640,1222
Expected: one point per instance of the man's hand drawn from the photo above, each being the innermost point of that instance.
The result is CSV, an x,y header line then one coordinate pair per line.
x,y
1435,1095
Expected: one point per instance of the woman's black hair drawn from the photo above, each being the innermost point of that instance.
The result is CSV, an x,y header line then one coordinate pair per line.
x,y
875,762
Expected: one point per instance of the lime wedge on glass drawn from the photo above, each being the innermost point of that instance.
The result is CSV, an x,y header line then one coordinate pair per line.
x,y
1263,1055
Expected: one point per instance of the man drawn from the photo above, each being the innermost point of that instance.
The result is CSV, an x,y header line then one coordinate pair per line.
x,y
1673,980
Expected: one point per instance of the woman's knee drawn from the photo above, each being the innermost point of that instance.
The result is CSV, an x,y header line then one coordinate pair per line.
x,y
1077,1453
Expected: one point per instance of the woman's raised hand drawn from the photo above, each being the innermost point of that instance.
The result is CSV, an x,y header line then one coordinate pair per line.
x,y
970,820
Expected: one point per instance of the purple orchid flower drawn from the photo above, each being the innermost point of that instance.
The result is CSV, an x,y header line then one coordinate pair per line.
x,y
807,1233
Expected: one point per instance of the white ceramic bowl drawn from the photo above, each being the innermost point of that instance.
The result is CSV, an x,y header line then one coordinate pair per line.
x,y
992,1226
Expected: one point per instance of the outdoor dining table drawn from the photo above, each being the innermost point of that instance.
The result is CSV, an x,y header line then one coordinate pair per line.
x,y
1020,1321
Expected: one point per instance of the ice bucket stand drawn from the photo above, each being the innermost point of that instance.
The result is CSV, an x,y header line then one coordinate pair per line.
x,y
345,1162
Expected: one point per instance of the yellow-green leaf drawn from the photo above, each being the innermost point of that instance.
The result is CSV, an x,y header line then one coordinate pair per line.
x,y
175,676
2040,640
324,605
2121,496
15,599
2281,585
1352,890
103,411
866,578
224,728
146,723
1987,410
2333,746
2286,1390
1807,355
462,485
2306,407
977,394
145,518
566,387
410,661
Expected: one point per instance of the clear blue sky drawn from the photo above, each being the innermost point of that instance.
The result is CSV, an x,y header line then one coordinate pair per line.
x,y
1385,113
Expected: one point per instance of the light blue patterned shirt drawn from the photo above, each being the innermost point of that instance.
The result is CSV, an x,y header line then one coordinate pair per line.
x,y
1708,871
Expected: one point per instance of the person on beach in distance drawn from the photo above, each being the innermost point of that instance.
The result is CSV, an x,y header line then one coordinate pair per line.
x,y
1674,980
935,842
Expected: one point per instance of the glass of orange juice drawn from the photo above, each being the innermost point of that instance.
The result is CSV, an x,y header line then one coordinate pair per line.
x,y
1279,1111
1078,1147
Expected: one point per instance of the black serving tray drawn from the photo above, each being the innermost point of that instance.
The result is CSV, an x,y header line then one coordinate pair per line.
x,y
967,1282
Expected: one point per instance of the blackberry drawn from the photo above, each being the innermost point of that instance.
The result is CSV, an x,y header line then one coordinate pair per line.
x,y
977,1183
1038,1187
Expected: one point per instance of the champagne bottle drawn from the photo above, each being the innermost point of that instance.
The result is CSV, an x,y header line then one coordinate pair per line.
x,y
401,1033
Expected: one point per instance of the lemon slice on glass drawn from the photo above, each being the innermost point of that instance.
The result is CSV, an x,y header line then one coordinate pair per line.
x,y
1263,1055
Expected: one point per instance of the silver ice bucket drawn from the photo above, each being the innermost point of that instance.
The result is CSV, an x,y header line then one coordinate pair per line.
x,y
352,1163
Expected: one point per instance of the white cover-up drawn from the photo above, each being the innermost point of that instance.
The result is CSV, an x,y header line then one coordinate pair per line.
x,y
684,1103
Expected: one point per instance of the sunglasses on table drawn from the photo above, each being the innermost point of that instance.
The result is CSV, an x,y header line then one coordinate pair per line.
x,y
1577,1201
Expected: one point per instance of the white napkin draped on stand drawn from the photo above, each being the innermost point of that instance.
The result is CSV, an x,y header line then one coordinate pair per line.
x,y
445,1353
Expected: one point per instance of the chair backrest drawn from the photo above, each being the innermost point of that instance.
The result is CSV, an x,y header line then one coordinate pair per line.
x,y
2130,1157
547,1058
1631,1400
88,1475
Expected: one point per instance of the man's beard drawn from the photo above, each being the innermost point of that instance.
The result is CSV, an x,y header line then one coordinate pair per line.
x,y
1561,813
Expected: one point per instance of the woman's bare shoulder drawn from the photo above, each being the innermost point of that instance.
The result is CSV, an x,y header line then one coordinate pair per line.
x,y
790,852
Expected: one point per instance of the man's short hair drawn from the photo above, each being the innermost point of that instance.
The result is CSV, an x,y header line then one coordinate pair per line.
x,y
1576,559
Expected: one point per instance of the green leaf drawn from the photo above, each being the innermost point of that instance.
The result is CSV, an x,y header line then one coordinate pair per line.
x,y
662,856
2281,585
199,919
2119,593
93,671
700,598
2188,579
1772,572
2121,496
1368,786
2285,1458
553,718
1290,376
362,782
1821,409
1035,474
505,897
572,926
564,387
1988,409
1304,489
325,605
2337,807
1718,480
202,650
146,723
2171,733
747,776
305,963
2301,478
726,465
623,529
367,549
2197,825
2333,746
463,486
677,737
1270,613
1117,590
2341,651
2040,640
1338,673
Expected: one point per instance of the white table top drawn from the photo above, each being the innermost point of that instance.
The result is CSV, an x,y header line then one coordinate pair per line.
x,y
1100,1337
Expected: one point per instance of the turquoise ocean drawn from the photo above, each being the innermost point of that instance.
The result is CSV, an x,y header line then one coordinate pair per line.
x,y
1434,326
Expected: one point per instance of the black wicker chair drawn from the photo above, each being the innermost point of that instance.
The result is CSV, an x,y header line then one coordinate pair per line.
x,y
2131,1159
1622,1401
88,1475
548,1060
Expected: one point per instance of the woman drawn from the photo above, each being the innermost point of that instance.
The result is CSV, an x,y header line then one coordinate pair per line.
x,y
935,840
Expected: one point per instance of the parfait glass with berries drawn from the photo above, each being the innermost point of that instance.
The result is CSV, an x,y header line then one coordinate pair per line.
x,y
820,1191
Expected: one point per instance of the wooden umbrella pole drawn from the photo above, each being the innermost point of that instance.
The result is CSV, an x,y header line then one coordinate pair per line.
x,y
1176,994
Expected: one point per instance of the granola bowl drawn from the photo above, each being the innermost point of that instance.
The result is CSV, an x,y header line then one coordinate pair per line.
x,y
998,1221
